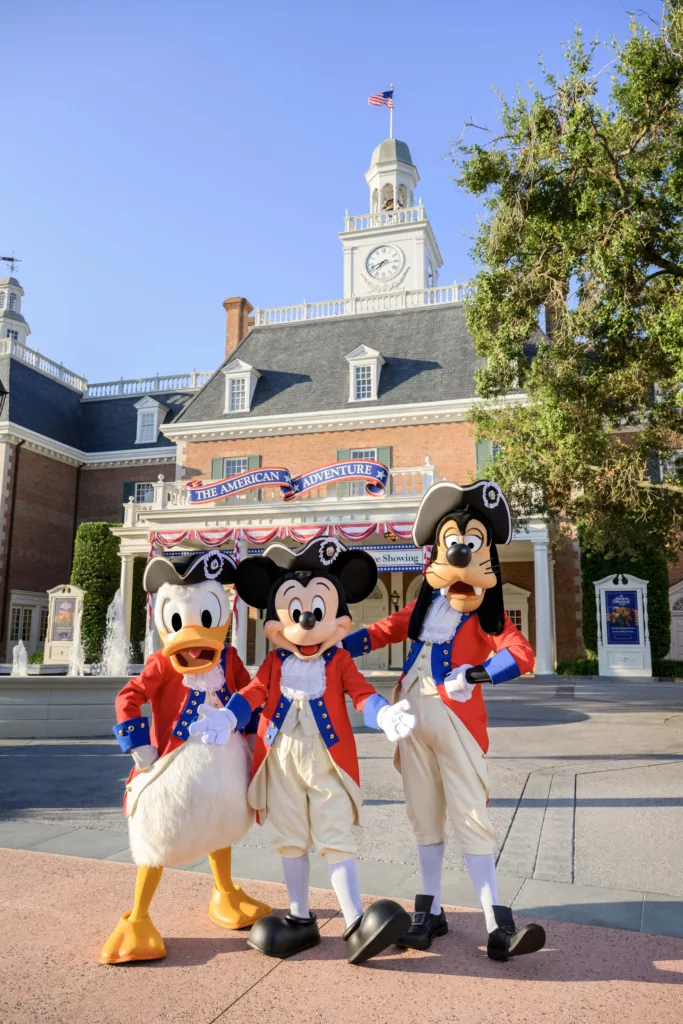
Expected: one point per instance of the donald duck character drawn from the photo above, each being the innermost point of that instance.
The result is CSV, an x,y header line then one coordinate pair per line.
x,y
462,640
186,795
305,773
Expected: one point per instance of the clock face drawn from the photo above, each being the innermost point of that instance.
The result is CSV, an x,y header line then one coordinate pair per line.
x,y
384,262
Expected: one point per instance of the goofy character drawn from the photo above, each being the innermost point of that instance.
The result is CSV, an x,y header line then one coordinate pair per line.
x,y
456,622
186,796
305,774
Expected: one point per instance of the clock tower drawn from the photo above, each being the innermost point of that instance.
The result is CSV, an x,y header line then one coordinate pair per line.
x,y
393,247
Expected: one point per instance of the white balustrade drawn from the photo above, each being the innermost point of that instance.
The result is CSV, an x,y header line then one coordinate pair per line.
x,y
379,302
366,221
143,385
32,357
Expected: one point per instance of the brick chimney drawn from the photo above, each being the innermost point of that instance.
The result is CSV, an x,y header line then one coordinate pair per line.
x,y
237,322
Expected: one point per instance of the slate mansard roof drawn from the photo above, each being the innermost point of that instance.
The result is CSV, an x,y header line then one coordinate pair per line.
x,y
429,357
42,404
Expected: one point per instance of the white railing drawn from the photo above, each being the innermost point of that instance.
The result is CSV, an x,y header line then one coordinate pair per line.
x,y
143,385
365,221
381,302
403,483
32,357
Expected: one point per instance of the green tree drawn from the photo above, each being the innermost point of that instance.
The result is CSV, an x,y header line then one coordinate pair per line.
x,y
97,570
582,235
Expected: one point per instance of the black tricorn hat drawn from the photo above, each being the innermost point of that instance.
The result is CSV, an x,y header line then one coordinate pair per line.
x,y
186,572
354,569
443,497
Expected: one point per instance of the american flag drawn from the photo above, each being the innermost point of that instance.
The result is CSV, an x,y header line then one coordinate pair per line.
x,y
382,99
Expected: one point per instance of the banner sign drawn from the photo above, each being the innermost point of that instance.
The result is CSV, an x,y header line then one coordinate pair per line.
x,y
396,557
621,607
373,474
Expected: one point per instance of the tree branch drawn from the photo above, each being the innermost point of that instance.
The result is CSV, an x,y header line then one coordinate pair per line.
x,y
667,266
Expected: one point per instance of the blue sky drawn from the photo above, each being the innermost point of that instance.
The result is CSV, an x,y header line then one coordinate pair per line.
x,y
161,156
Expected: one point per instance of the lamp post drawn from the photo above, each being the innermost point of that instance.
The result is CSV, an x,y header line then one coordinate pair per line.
x,y
395,599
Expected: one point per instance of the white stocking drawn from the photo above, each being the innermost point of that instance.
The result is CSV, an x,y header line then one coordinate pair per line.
x,y
431,869
296,871
482,870
344,878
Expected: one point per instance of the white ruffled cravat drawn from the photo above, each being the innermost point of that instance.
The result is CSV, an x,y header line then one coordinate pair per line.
x,y
441,621
301,681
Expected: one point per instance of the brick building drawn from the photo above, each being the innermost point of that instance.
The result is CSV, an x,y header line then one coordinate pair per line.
x,y
385,373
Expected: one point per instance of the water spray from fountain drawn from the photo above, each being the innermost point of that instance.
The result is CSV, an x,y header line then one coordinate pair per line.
x,y
19,660
76,656
116,653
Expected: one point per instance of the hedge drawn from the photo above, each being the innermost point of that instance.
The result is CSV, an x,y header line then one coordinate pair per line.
x,y
97,570
648,563
664,668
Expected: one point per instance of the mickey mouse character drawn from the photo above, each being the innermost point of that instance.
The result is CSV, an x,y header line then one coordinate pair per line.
x,y
455,624
305,772
186,795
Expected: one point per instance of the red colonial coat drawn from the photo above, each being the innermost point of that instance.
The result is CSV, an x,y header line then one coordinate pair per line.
x,y
471,646
174,703
341,678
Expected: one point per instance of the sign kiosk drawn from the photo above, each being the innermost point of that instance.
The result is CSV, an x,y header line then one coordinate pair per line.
x,y
63,623
623,635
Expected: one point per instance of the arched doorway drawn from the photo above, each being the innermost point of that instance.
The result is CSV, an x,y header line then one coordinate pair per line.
x,y
414,589
364,614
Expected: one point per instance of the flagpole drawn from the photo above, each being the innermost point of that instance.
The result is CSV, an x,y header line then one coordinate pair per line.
x,y
391,114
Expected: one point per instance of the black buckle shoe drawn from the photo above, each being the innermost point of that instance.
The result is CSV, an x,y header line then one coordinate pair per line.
x,y
425,927
284,936
506,941
380,926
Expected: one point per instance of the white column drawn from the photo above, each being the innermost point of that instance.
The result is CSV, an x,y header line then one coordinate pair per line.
x,y
542,599
242,610
127,588
396,650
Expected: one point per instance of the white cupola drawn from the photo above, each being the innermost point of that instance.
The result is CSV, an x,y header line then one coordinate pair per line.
x,y
392,248
12,324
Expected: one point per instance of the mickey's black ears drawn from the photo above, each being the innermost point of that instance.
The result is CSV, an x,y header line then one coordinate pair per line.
x,y
356,570
254,578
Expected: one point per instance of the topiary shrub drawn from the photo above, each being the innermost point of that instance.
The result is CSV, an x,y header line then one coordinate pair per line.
x,y
138,612
97,570
648,562
668,669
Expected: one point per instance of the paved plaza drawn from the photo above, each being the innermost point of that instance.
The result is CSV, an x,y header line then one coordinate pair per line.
x,y
587,800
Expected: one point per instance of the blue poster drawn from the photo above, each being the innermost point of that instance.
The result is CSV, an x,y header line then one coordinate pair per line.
x,y
621,608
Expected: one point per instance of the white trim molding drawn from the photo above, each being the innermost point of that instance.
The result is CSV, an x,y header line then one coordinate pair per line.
x,y
12,433
365,356
238,370
359,418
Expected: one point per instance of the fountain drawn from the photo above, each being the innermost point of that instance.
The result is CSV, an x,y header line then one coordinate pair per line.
x,y
19,660
76,656
116,653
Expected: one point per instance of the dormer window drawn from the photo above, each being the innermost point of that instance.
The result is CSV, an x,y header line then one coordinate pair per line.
x,y
240,383
12,300
150,417
365,366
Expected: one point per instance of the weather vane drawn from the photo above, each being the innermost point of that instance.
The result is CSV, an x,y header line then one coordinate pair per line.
x,y
12,261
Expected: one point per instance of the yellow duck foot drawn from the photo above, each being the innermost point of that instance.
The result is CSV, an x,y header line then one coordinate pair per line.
x,y
133,940
235,909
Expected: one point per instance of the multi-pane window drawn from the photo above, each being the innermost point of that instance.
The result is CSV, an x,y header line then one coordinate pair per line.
x,y
358,487
234,466
12,300
237,400
14,335
147,426
43,625
144,493
3,296
20,624
515,617
362,382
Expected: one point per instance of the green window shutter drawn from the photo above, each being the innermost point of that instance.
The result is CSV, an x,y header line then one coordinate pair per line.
x,y
342,456
384,455
484,457
217,469
653,469
128,493
253,462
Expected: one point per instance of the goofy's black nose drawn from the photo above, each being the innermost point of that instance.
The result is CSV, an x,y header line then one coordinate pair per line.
x,y
458,555
307,620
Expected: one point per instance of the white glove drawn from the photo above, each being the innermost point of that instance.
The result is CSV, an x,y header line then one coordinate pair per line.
x,y
216,724
394,722
144,756
457,686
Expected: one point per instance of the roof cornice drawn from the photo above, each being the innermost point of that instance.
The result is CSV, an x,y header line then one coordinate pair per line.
x,y
369,417
12,433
